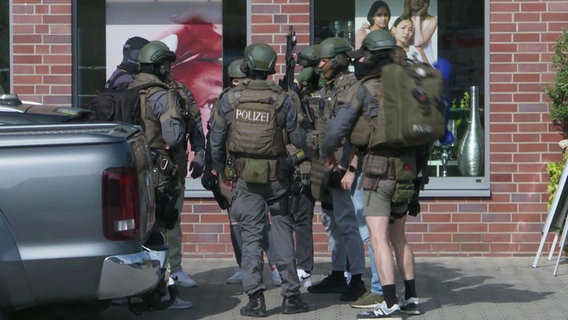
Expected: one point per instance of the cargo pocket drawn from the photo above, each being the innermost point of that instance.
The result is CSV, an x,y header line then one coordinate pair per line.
x,y
374,169
255,171
405,168
403,193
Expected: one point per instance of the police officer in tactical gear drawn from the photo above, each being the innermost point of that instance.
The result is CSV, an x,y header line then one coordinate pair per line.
x,y
212,181
248,145
339,216
170,118
384,206
301,200
128,68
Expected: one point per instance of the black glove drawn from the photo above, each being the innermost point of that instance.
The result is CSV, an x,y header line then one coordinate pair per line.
x,y
197,164
414,207
209,180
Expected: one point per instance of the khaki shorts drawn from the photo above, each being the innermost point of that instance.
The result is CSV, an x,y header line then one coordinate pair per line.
x,y
378,203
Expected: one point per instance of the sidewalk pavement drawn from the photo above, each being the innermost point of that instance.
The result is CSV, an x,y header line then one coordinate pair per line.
x,y
449,288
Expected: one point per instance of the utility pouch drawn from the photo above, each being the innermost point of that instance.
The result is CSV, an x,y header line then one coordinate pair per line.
x,y
403,192
370,183
375,166
405,168
166,199
283,169
319,175
312,142
255,170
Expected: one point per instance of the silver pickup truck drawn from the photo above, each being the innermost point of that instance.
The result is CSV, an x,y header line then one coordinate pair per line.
x,y
76,214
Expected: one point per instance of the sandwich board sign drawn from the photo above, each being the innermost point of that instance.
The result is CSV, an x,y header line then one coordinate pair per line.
x,y
555,220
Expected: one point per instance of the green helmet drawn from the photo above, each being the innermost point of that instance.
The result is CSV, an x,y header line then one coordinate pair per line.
x,y
156,52
379,40
330,47
261,57
234,69
309,56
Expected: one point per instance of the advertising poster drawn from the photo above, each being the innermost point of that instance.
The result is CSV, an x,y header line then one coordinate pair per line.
x,y
192,29
419,16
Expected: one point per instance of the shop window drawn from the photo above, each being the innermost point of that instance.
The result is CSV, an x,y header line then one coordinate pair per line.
x,y
205,35
460,43
5,46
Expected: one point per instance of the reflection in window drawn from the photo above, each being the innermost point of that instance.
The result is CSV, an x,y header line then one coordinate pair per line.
x,y
459,45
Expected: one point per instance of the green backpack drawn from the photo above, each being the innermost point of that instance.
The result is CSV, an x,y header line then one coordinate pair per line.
x,y
412,110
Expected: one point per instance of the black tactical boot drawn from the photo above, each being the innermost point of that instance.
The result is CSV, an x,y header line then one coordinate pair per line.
x,y
294,304
331,284
256,306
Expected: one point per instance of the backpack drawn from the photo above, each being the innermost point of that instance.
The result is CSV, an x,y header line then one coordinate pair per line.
x,y
119,105
412,111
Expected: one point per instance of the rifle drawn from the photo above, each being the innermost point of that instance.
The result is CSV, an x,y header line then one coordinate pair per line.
x,y
288,81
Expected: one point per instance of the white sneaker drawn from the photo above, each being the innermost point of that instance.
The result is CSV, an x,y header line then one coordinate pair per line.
x,y
347,275
180,304
380,311
236,278
410,306
305,278
183,279
276,280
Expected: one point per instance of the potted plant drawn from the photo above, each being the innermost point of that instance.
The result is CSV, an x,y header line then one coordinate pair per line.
x,y
558,94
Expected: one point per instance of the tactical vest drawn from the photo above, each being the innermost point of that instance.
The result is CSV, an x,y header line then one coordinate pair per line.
x,y
324,107
153,128
254,132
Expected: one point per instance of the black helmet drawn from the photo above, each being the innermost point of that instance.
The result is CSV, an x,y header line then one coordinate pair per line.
x,y
234,69
131,49
378,40
156,52
309,57
261,57
330,47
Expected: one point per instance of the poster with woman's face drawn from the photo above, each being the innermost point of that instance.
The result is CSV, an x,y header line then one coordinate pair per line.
x,y
192,29
416,30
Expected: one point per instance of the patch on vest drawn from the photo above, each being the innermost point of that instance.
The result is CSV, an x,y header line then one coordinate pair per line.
x,y
252,115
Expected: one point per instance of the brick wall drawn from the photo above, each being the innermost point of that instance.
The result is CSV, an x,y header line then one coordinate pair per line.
x,y
42,50
523,139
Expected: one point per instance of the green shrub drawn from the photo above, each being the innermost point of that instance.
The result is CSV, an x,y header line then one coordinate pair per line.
x,y
558,93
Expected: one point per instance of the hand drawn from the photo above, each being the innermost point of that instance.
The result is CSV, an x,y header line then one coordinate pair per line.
x,y
329,162
364,26
209,179
197,164
414,207
347,180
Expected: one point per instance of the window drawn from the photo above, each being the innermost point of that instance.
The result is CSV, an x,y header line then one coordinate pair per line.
x,y
5,46
205,35
460,40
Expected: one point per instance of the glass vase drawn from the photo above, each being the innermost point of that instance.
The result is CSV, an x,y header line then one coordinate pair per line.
x,y
471,148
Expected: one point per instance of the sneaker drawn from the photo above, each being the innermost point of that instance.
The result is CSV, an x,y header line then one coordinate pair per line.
x,y
329,285
380,311
180,304
368,300
236,278
409,306
256,306
183,279
347,275
354,291
305,278
276,280
294,304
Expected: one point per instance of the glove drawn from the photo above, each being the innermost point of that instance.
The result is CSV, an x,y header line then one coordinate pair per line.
x,y
414,207
197,164
208,180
